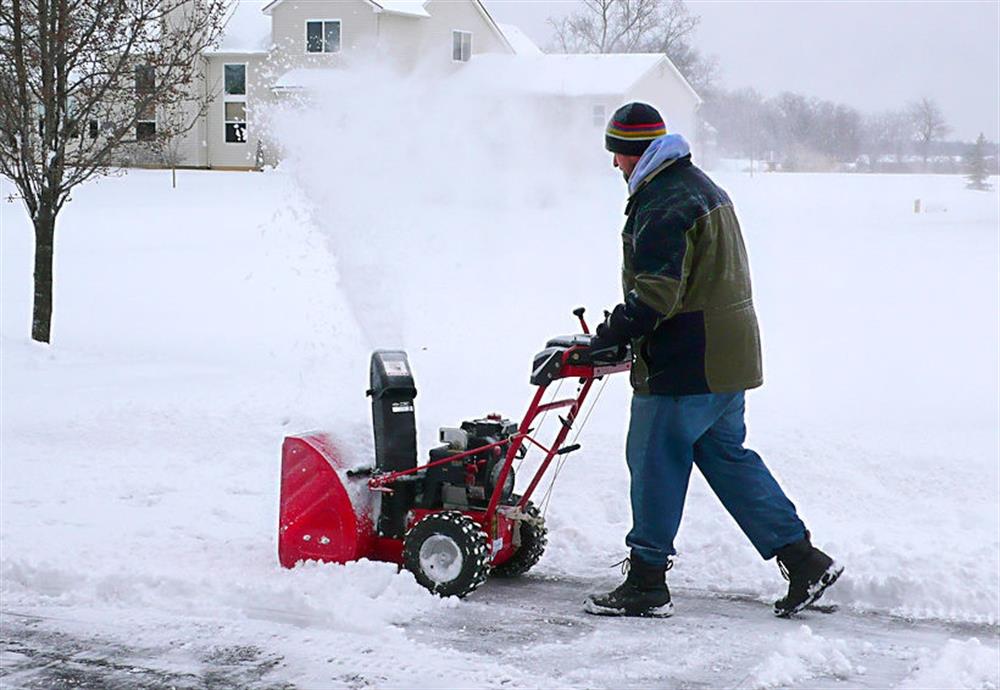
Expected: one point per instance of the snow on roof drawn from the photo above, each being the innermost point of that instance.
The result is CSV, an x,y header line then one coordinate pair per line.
x,y
519,40
568,75
248,29
411,8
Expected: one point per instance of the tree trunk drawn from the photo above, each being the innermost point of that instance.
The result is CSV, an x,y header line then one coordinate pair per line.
x,y
41,320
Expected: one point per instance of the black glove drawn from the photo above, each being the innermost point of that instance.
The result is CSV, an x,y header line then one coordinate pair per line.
x,y
616,329
611,336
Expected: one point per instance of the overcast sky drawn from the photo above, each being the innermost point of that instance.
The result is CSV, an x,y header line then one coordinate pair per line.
x,y
872,55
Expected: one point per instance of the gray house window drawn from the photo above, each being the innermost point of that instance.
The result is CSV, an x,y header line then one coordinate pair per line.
x,y
461,46
236,80
145,130
235,103
236,123
323,36
600,117
145,83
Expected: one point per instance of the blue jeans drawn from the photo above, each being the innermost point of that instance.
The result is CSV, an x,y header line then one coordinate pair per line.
x,y
666,435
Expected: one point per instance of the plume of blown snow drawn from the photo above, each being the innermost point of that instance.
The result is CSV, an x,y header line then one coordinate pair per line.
x,y
386,159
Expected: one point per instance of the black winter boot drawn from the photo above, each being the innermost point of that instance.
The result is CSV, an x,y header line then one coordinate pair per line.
x,y
809,572
644,593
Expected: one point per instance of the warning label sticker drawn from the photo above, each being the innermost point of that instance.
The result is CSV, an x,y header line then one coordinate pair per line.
x,y
396,367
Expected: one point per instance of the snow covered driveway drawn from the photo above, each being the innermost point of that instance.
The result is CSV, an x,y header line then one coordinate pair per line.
x,y
529,633
194,328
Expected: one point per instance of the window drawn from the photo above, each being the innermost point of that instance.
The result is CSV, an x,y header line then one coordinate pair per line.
x,y
92,129
72,121
145,84
145,80
235,77
600,116
236,123
145,126
235,103
145,131
323,36
461,46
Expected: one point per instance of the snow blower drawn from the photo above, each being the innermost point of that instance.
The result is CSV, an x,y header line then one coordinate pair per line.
x,y
456,519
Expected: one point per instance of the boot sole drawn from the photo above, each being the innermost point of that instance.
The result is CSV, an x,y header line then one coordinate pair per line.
x,y
825,581
665,611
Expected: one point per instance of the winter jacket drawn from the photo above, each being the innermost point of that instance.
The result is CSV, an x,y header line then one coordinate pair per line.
x,y
688,307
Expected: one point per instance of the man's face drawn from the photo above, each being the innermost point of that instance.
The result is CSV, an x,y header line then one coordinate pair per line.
x,y
625,163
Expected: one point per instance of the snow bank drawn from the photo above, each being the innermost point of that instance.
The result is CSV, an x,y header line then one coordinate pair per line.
x,y
800,656
959,665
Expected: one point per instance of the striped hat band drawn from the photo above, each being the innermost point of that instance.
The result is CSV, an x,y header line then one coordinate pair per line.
x,y
646,131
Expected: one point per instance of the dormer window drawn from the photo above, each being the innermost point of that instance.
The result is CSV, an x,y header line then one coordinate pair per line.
x,y
323,36
461,46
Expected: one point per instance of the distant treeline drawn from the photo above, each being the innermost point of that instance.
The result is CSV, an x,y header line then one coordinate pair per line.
x,y
794,132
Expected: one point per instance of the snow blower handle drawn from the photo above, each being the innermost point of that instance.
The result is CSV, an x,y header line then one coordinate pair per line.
x,y
578,313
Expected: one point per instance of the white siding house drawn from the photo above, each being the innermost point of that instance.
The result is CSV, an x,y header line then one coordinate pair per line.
x,y
268,44
593,86
271,47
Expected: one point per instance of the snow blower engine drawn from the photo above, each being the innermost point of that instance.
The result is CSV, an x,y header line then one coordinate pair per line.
x,y
456,519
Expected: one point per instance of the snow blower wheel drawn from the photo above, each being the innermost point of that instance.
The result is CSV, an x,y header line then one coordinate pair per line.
x,y
447,553
533,537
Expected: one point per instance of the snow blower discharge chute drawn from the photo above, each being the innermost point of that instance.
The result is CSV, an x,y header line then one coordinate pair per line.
x,y
456,519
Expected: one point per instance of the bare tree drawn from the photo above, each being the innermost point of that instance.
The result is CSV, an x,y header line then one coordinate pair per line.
x,y
81,83
701,71
171,122
744,121
636,26
898,134
928,124
888,133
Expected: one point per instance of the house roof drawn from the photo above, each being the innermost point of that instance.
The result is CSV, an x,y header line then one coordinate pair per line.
x,y
573,74
410,8
519,41
247,30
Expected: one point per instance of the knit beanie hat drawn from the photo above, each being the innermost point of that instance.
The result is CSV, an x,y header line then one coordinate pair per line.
x,y
632,128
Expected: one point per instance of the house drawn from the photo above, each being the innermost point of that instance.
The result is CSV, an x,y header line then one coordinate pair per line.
x,y
592,86
268,44
273,47
519,41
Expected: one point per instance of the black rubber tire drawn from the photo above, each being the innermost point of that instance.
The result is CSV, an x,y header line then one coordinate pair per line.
x,y
534,538
471,542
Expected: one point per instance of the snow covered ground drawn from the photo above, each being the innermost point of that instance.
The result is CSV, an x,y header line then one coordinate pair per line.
x,y
195,327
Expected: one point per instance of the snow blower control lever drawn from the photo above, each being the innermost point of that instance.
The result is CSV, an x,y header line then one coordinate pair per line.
x,y
456,518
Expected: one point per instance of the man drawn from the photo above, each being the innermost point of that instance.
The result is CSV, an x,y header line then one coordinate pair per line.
x,y
689,317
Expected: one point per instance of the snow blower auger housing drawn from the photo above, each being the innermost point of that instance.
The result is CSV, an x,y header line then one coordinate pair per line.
x,y
455,519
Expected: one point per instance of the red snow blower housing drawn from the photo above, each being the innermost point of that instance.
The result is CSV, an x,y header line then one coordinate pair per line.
x,y
455,519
